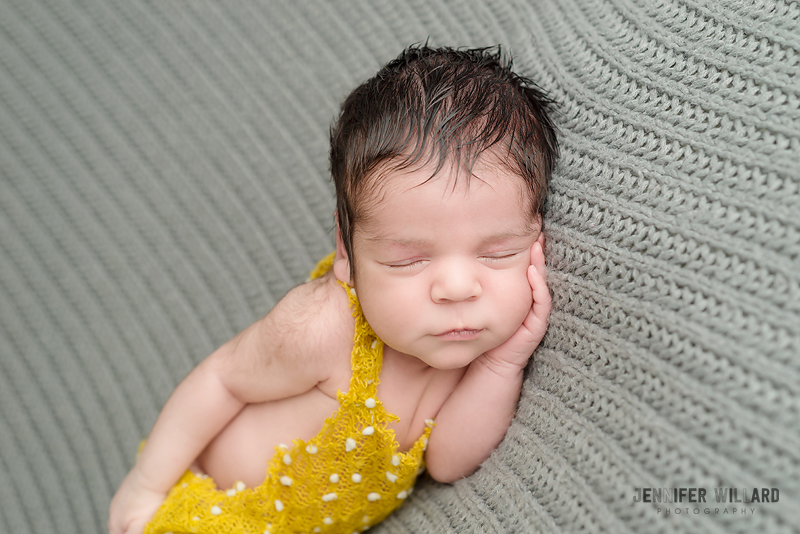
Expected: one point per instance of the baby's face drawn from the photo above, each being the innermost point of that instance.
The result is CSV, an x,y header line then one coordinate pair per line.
x,y
441,268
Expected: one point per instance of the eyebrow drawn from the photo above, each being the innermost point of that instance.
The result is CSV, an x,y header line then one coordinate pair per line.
x,y
418,242
505,236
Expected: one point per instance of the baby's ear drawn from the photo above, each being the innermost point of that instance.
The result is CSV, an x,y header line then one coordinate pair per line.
x,y
341,263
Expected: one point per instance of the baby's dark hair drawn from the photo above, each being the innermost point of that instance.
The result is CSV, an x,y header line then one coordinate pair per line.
x,y
440,105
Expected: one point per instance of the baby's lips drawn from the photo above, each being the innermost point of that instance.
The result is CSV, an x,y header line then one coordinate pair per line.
x,y
460,333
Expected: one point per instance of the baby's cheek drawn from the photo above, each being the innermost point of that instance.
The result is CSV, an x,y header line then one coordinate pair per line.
x,y
391,317
520,298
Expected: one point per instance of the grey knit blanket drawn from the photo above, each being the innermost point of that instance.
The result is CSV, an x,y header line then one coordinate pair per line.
x,y
164,181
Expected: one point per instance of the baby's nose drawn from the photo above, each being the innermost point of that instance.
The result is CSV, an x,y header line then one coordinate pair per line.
x,y
455,282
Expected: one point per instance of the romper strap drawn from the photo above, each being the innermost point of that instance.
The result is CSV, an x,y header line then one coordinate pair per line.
x,y
367,355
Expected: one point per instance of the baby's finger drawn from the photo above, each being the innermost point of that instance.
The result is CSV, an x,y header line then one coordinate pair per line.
x,y
536,278
537,256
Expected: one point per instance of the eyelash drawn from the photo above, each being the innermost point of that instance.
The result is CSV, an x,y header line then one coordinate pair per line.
x,y
405,265
503,257
417,262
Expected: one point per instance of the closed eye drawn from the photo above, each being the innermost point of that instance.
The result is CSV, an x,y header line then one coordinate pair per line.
x,y
404,265
501,256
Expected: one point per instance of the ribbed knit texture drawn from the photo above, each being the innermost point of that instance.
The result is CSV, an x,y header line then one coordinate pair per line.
x,y
163,182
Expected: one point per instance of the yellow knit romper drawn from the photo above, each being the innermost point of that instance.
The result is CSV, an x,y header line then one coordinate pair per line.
x,y
347,478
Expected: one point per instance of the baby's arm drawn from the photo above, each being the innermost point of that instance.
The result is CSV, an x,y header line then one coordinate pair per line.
x,y
272,359
476,416
197,410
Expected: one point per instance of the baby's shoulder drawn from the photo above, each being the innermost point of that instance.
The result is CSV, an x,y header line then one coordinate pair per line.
x,y
314,320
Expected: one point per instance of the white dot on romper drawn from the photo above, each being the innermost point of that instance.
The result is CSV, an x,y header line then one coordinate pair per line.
x,y
311,449
368,431
279,505
370,403
328,521
356,478
231,492
372,497
240,486
374,343
216,510
287,459
328,497
395,460
402,495
286,481
349,444
334,478
391,477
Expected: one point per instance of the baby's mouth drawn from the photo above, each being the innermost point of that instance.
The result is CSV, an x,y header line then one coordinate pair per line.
x,y
461,334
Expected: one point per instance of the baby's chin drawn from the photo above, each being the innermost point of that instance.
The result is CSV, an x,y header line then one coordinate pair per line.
x,y
456,357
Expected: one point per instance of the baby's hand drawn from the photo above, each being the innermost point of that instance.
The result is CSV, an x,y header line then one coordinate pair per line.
x,y
513,355
133,505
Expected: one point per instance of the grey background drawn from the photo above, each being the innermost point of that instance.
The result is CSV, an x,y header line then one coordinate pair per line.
x,y
163,182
